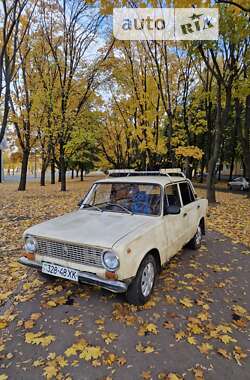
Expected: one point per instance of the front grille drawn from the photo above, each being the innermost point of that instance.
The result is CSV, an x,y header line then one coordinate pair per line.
x,y
85,255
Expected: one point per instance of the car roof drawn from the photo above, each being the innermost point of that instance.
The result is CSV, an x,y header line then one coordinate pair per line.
x,y
160,180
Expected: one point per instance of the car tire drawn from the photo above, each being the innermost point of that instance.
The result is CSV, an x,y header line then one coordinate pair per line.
x,y
141,288
195,242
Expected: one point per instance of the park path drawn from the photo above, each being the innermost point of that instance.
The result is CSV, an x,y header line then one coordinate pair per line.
x,y
196,325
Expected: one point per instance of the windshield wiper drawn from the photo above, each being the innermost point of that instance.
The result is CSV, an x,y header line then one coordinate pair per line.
x,y
117,205
87,205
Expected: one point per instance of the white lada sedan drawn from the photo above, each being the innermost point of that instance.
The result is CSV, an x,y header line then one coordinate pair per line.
x,y
125,230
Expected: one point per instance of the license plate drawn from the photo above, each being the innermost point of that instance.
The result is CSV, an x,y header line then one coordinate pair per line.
x,y
59,271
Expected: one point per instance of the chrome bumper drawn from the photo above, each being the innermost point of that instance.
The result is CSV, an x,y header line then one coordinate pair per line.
x,y
85,277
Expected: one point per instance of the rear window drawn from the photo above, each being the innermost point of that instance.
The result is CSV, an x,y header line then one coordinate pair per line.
x,y
172,196
186,193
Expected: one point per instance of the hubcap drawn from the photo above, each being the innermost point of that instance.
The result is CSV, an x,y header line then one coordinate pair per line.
x,y
198,236
147,280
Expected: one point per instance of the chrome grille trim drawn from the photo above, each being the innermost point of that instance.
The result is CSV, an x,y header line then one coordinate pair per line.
x,y
85,255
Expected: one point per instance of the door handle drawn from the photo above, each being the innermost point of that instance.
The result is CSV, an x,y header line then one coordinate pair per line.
x,y
185,214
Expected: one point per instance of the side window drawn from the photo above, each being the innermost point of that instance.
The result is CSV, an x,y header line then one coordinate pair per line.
x,y
186,193
172,196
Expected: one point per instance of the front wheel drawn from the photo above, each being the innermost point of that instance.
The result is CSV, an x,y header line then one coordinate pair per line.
x,y
195,242
141,288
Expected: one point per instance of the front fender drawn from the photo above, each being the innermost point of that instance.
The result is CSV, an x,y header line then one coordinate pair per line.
x,y
132,249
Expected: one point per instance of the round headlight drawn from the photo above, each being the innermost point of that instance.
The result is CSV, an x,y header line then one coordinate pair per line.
x,y
30,244
110,261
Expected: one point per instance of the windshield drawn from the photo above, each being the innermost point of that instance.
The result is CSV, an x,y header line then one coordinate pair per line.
x,y
133,198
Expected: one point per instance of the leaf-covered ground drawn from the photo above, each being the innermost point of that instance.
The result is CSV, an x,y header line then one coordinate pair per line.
x,y
196,325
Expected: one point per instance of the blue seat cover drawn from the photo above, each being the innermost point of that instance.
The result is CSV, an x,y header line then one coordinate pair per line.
x,y
141,203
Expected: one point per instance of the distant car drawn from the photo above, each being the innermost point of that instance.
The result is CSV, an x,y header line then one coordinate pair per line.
x,y
239,183
126,229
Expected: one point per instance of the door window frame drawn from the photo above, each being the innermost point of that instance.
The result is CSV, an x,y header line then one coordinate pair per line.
x,y
178,189
192,192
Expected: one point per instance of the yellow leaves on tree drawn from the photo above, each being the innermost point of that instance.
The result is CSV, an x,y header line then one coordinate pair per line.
x,y
189,151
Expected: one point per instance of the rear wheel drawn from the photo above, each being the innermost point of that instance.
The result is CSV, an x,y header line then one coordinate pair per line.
x,y
141,288
195,242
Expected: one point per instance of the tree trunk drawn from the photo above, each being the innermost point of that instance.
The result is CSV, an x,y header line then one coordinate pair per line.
x,y
237,124
59,174
189,170
232,167
246,137
82,170
72,174
244,168
43,174
247,165
215,151
1,163
63,179
62,168
77,173
221,120
52,172
24,168
202,170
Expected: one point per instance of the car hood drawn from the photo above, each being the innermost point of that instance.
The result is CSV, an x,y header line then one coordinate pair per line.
x,y
90,227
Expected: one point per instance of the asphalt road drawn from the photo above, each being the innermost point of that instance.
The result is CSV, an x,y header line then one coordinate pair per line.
x,y
215,279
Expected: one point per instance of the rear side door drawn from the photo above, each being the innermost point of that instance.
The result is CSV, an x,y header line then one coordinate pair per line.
x,y
173,224
190,210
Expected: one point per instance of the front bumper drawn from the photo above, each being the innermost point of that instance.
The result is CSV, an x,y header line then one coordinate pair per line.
x,y
85,277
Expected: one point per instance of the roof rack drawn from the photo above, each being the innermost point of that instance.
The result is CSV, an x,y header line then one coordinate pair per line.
x,y
173,172
120,172
131,172
145,173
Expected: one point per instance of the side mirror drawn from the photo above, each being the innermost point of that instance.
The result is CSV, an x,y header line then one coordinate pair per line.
x,y
172,210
